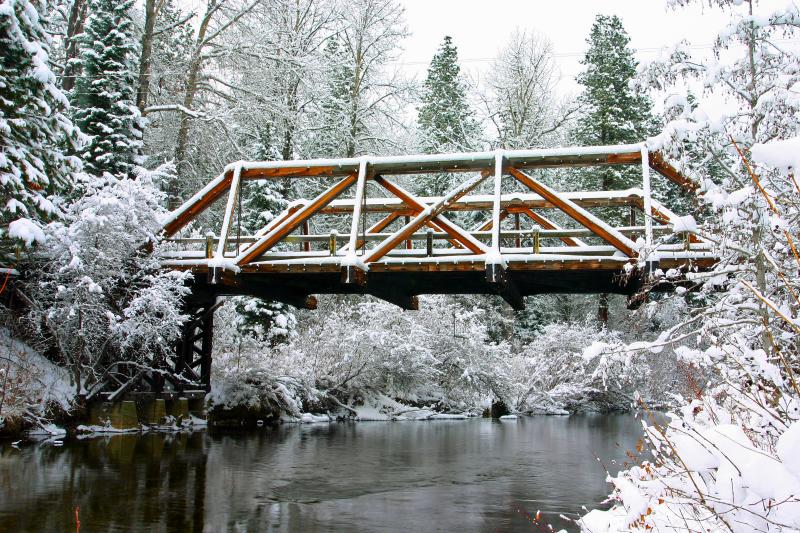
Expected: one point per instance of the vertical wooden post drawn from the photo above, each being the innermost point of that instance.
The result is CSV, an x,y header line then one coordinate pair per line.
x,y
648,203
498,181
518,242
306,244
332,243
228,220
632,216
209,245
429,242
357,204
535,239
409,242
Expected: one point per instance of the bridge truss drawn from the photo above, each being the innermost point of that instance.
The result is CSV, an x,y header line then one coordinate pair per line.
x,y
366,232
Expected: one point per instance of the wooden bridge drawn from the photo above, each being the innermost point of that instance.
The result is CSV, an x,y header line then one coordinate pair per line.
x,y
501,230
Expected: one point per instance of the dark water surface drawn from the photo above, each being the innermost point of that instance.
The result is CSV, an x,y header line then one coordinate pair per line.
x,y
470,475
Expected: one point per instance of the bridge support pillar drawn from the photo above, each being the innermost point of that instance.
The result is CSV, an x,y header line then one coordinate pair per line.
x,y
503,285
193,352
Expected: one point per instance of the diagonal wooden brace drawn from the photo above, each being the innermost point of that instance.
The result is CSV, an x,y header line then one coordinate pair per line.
x,y
428,214
546,223
578,213
294,221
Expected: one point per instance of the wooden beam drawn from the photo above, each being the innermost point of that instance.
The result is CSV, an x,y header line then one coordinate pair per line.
x,y
660,165
285,214
486,226
498,280
290,224
344,206
378,227
407,302
432,215
546,223
227,221
498,192
577,213
196,205
664,215
358,202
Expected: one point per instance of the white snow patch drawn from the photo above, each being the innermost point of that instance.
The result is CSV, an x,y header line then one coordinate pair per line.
x,y
783,154
26,230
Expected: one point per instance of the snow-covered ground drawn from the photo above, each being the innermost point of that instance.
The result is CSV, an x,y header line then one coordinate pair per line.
x,y
31,385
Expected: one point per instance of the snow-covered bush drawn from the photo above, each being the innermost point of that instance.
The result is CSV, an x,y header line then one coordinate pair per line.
x,y
351,347
96,291
444,353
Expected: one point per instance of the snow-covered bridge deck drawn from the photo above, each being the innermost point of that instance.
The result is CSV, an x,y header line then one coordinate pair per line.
x,y
519,237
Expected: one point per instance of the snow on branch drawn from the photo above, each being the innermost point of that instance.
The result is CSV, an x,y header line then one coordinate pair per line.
x,y
174,107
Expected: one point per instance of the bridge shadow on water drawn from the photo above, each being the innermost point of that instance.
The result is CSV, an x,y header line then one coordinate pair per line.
x,y
474,475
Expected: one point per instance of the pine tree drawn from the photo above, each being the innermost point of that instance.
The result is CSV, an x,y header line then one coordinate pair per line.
x,y
262,200
446,122
34,130
445,119
616,112
105,91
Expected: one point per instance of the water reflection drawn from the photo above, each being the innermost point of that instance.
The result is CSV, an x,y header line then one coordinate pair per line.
x,y
475,475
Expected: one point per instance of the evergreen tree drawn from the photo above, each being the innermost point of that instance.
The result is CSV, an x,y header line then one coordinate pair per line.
x,y
105,91
446,122
262,201
445,119
616,112
34,130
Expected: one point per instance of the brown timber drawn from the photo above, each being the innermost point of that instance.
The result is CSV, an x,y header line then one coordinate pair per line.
x,y
573,210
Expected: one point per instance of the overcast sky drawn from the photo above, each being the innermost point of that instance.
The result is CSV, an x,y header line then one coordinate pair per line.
x,y
480,27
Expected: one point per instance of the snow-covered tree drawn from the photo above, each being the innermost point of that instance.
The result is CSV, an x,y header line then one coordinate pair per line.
x,y
521,100
35,130
331,138
446,121
615,111
104,95
370,37
98,296
738,345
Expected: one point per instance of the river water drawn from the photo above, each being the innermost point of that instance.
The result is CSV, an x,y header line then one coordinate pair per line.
x,y
460,475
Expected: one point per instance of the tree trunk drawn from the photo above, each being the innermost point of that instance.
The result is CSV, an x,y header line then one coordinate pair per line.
x,y
151,9
289,122
77,18
192,78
